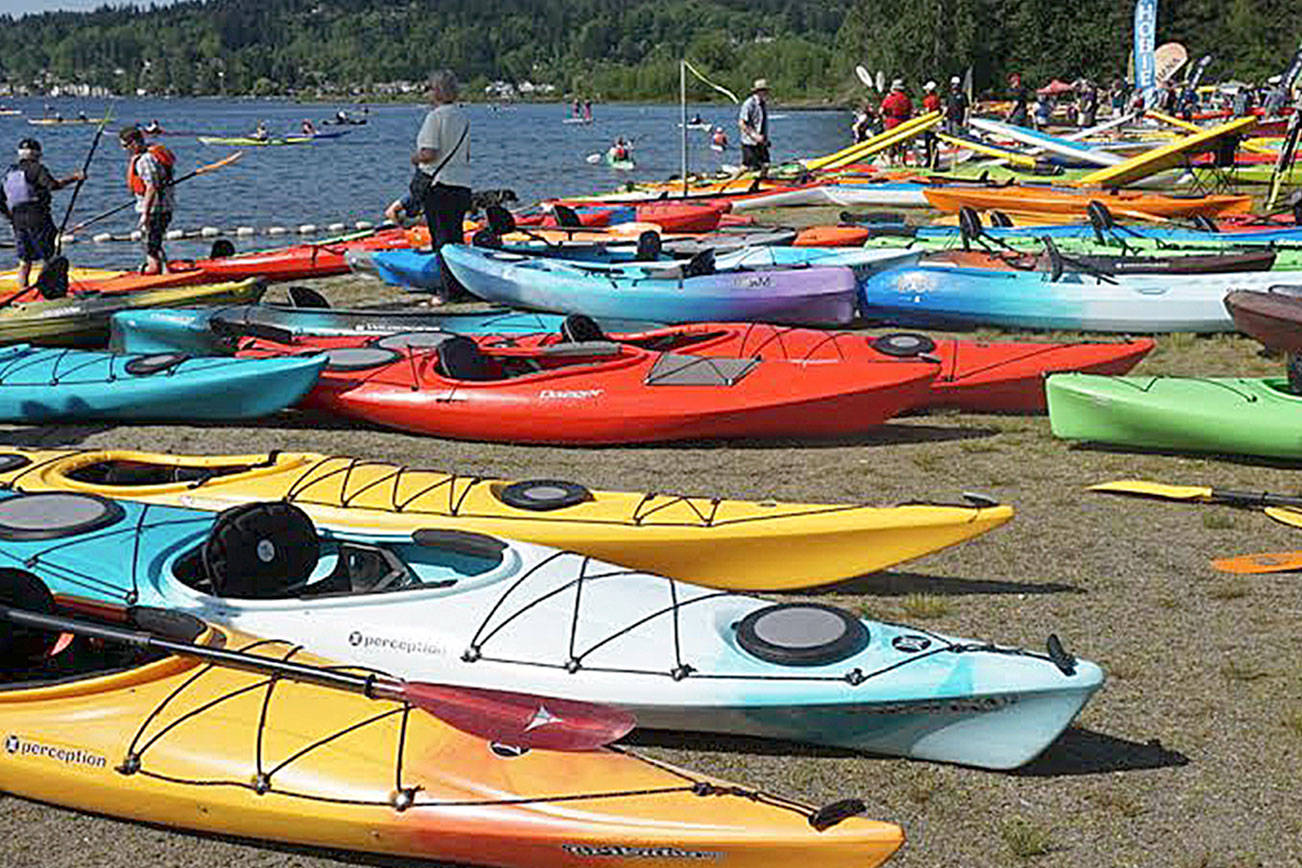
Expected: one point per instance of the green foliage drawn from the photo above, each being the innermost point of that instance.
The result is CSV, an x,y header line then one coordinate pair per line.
x,y
623,49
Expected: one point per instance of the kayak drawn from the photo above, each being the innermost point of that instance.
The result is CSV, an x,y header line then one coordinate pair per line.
x,y
1057,201
215,331
170,741
1216,262
85,319
54,122
1273,317
63,385
480,611
977,376
937,295
1131,234
888,194
805,296
732,544
624,165
90,281
251,142
294,262
599,391
1229,416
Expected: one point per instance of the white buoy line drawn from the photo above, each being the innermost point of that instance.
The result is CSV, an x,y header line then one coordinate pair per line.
x,y
237,232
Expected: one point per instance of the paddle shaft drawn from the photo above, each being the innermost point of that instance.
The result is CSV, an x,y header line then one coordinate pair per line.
x,y
1254,498
125,205
85,167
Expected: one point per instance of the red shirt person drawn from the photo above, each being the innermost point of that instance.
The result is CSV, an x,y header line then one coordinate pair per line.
x,y
897,107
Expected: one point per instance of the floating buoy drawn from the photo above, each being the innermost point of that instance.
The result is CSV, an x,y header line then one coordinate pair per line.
x,y
364,224
307,229
103,237
135,235
210,232
276,230
336,227
68,239
243,231
174,235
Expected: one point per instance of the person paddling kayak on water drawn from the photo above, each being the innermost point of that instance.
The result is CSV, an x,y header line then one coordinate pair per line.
x,y
442,179
309,129
753,120
149,176
25,201
261,133
153,128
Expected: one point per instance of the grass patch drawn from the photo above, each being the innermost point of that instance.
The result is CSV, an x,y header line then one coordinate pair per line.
x,y
1169,602
871,612
978,448
1292,720
1217,521
928,463
925,606
1229,590
1236,671
1025,839
1119,802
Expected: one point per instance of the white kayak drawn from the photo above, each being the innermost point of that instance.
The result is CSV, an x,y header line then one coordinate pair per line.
x,y
471,609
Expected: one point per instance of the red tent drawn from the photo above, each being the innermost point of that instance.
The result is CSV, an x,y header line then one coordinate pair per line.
x,y
1055,88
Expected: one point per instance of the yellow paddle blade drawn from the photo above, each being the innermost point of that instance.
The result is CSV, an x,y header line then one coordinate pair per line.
x,y
1290,515
1154,489
1266,562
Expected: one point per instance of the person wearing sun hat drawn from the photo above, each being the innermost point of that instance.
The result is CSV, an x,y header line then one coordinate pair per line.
x,y
956,107
753,120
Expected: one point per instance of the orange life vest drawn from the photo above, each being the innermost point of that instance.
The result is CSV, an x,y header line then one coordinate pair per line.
x,y
165,158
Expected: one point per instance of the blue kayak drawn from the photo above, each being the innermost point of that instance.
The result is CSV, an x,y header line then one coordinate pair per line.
x,y
213,331
56,385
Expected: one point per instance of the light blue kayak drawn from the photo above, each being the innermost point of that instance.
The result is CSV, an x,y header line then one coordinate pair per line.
x,y
57,385
939,295
454,607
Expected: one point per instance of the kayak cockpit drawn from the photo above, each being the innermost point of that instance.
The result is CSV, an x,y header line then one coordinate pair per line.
x,y
135,472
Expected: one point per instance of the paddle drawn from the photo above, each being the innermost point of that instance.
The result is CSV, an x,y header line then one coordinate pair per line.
x,y
202,170
865,77
1284,508
85,167
1265,562
516,719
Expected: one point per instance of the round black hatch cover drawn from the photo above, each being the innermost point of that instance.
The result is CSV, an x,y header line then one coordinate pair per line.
x,y
802,634
56,514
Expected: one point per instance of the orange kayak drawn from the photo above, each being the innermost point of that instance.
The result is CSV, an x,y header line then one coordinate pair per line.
x,y
1125,203
832,236
172,741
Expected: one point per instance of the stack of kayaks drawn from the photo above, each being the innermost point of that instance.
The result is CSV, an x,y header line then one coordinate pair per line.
x,y
168,739
734,544
64,385
481,611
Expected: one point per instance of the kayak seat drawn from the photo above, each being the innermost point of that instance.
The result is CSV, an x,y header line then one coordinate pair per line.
x,y
566,217
459,358
260,551
578,327
649,248
701,264
144,366
500,220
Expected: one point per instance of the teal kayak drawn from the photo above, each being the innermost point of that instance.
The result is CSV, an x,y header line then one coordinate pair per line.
x,y
1233,416
55,385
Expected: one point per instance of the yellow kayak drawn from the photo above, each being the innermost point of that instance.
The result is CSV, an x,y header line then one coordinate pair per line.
x,y
733,544
85,318
173,741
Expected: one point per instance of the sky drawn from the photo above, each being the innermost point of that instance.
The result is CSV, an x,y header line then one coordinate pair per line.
x,y
22,7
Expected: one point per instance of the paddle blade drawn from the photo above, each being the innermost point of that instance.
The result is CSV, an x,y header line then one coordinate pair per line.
x,y
521,719
1290,515
594,158
865,77
1265,562
1153,489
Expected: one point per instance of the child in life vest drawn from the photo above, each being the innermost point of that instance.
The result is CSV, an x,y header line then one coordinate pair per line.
x,y
25,201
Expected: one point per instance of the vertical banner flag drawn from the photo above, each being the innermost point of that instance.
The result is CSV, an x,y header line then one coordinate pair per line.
x,y
1145,42
1199,71
1291,73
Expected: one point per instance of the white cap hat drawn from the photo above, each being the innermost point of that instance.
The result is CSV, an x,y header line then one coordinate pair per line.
x,y
954,80
897,84
931,85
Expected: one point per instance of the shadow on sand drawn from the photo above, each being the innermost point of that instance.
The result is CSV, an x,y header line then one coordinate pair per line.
x,y
900,584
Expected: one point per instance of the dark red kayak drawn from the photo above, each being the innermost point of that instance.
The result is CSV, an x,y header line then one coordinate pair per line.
x,y
1274,317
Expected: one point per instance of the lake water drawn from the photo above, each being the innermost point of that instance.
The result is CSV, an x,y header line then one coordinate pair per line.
x,y
526,148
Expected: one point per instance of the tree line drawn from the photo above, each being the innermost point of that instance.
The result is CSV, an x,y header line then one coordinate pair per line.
x,y
621,49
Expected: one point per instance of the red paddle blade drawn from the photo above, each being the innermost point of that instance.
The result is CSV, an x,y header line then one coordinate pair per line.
x,y
521,719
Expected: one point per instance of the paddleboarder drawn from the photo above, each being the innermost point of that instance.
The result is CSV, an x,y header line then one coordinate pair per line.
x,y
25,202
149,176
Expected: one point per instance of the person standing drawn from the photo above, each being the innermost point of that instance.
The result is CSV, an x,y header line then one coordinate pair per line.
x,y
957,107
25,200
896,109
1018,111
1087,103
149,176
442,179
753,120
930,103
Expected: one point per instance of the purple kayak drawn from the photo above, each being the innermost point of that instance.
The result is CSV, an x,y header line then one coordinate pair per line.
x,y
669,292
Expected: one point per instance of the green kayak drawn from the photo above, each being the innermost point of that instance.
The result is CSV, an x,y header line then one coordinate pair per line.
x,y
1233,416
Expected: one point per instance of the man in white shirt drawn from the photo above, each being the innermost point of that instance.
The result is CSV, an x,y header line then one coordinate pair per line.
x,y
753,121
442,161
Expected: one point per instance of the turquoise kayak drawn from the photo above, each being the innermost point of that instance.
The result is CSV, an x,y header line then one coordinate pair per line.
x,y
57,385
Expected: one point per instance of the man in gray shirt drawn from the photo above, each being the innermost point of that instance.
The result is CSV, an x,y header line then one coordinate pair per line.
x,y
754,123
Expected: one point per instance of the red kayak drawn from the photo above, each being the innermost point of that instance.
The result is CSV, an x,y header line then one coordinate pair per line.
x,y
977,376
601,391
296,262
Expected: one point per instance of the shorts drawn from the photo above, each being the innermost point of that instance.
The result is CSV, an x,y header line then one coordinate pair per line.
x,y
35,243
754,156
155,228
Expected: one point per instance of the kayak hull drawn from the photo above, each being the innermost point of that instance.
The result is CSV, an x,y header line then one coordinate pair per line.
x,y
1274,318
731,544
1239,416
